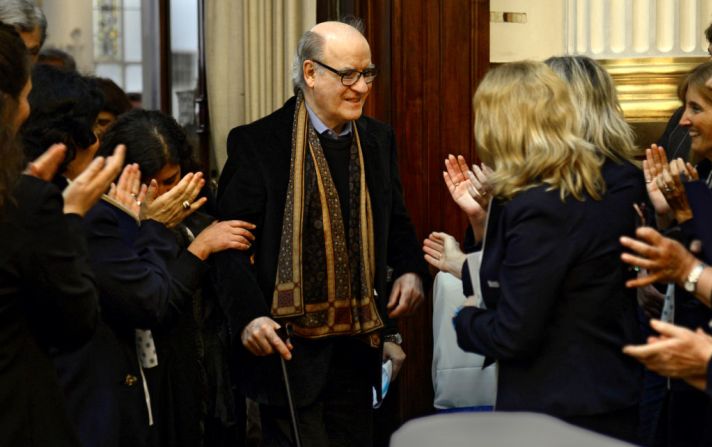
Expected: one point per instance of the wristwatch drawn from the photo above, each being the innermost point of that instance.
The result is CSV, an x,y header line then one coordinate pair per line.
x,y
693,277
393,338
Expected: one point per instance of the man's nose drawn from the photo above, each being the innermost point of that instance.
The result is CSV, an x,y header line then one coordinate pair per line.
x,y
360,85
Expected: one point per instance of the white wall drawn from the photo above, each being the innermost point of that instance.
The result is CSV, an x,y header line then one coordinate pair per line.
x,y
65,17
541,37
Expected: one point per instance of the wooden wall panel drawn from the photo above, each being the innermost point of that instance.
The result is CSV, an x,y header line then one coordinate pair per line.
x,y
431,54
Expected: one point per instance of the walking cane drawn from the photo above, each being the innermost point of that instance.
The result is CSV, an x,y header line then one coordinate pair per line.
x,y
285,333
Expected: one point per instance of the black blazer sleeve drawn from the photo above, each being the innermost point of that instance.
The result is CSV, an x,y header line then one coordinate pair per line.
x,y
242,195
60,286
534,265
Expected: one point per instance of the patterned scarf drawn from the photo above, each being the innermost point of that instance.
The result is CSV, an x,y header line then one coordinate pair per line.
x,y
325,272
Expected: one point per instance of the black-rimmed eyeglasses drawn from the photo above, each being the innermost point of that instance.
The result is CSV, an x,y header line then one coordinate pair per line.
x,y
350,77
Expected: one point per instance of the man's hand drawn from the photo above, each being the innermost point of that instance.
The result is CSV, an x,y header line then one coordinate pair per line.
x,y
406,296
260,338
394,353
676,352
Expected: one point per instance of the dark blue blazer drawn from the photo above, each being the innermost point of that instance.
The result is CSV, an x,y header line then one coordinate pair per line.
x,y
144,280
558,312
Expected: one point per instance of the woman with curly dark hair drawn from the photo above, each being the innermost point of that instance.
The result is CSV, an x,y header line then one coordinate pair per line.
x,y
64,107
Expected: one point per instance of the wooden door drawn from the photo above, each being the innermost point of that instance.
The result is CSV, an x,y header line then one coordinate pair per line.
x,y
431,55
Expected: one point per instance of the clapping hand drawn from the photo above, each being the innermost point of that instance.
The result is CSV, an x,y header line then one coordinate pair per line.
x,y
469,190
665,189
129,191
443,252
87,187
175,205
670,183
466,187
46,165
655,160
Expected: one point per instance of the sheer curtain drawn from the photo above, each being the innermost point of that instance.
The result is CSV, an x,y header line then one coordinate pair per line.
x,y
249,48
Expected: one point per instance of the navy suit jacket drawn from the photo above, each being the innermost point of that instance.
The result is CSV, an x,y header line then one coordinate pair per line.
x,y
558,312
253,187
143,279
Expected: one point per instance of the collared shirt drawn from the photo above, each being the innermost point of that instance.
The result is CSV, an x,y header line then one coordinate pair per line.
x,y
322,128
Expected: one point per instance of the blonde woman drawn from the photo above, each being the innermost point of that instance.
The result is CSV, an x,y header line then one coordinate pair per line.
x,y
600,115
557,310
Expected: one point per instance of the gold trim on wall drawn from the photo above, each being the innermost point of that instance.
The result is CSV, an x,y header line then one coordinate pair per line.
x,y
647,88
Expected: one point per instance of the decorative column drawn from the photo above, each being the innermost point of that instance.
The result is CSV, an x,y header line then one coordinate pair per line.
x,y
611,29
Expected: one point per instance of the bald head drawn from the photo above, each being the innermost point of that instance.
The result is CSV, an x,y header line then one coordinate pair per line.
x,y
337,30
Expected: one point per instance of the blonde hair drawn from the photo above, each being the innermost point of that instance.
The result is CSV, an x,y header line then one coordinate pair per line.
x,y
526,129
600,113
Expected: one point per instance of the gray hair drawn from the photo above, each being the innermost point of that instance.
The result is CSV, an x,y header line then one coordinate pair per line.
x,y
24,15
310,47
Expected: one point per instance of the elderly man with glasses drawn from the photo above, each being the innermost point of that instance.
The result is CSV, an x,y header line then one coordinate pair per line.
x,y
321,182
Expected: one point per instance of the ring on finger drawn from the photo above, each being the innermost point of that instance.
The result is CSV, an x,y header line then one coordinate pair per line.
x,y
186,205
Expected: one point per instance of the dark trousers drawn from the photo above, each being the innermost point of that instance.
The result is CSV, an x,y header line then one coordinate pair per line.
x,y
684,420
620,424
341,415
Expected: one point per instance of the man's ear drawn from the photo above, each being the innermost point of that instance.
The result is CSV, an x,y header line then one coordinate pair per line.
x,y
309,70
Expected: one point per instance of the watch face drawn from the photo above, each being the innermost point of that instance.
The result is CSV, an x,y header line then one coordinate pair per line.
x,y
394,338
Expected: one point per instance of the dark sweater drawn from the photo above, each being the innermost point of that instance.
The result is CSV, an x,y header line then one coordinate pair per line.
x,y
336,152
